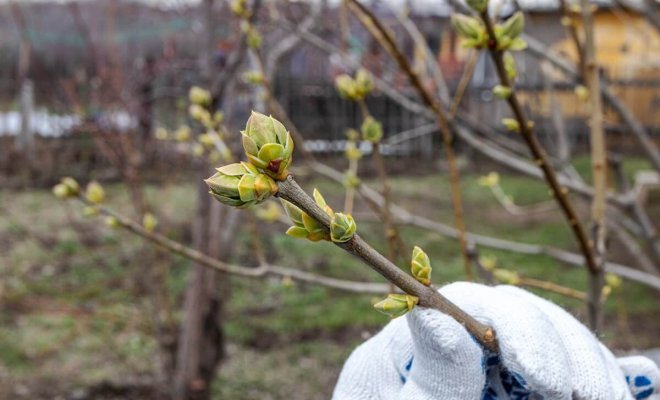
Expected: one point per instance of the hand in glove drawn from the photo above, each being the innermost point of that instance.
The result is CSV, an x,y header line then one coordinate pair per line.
x,y
545,353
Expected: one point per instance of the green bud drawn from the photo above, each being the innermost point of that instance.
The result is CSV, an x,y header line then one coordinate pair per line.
x,y
254,78
182,134
206,140
575,8
71,185
295,214
372,130
351,180
396,305
511,124
467,27
198,150
149,222
268,145
478,5
199,114
502,92
518,44
363,83
68,187
61,191
241,185
510,66
490,180
218,117
94,193
342,227
161,134
304,226
614,281
347,87
253,39
238,7
488,262
199,96
513,26
214,157
420,266
505,276
352,152
318,198
112,222
352,134
582,92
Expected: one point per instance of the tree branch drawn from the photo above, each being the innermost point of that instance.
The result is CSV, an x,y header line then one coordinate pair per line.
x,y
242,271
428,297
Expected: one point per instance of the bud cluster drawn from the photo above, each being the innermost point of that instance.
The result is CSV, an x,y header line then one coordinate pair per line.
x,y
342,226
490,180
269,149
372,130
354,89
241,185
507,34
68,187
268,145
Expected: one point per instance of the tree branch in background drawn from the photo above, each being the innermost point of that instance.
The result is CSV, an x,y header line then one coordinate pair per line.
x,y
598,166
261,271
384,37
537,151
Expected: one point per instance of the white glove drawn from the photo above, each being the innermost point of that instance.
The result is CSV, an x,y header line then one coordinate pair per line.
x,y
545,353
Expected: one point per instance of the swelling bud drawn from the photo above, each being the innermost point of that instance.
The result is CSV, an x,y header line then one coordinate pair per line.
x,y
241,185
268,145
420,266
396,305
342,227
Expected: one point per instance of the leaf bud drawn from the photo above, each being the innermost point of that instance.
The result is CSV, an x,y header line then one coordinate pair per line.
x,y
342,227
268,145
199,96
396,305
420,266
241,185
94,193
372,130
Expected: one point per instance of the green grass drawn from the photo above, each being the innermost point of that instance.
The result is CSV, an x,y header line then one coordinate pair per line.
x,y
78,302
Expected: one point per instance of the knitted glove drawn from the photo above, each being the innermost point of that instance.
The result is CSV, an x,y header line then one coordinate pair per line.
x,y
545,353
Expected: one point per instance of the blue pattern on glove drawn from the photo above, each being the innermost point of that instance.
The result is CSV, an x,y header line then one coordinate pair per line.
x,y
514,385
404,378
641,387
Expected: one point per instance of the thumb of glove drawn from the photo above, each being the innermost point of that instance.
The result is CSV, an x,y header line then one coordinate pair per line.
x,y
447,362
642,375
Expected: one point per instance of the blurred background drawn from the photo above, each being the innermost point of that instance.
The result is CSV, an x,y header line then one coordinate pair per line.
x,y
98,90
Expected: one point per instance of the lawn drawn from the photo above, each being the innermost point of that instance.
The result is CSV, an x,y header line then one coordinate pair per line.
x,y
78,301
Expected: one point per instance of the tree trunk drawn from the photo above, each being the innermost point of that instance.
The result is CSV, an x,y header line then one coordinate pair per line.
x,y
201,340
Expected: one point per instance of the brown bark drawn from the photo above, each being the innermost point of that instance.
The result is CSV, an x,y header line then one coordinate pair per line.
x,y
201,339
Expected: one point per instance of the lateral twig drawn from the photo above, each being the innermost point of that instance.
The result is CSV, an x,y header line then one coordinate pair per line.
x,y
238,270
